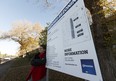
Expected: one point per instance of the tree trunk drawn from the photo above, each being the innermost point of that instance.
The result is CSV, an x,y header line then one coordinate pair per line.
x,y
106,60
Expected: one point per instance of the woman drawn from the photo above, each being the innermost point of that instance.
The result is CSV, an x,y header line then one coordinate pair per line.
x,y
38,70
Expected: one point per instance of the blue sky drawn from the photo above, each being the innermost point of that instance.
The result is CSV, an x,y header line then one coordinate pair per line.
x,y
14,10
19,10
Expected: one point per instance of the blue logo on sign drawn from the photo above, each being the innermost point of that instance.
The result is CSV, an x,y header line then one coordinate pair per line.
x,y
88,66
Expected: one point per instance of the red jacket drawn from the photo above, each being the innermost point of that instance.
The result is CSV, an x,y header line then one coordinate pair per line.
x,y
37,72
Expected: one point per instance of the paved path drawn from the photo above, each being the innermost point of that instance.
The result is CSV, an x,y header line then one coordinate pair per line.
x,y
4,68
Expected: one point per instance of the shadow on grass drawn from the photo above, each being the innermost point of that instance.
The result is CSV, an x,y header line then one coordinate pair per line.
x,y
17,73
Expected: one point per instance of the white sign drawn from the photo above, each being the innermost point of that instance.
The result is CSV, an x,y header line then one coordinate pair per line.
x,y
70,47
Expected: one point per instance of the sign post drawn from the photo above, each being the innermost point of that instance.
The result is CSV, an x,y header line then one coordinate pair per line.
x,y
70,47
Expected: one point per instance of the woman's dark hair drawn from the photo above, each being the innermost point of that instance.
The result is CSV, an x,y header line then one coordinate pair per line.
x,y
43,46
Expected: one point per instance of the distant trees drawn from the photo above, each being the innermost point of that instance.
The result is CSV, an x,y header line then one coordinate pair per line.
x,y
43,37
109,7
3,55
26,34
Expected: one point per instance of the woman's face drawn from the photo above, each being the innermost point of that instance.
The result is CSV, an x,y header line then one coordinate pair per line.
x,y
41,49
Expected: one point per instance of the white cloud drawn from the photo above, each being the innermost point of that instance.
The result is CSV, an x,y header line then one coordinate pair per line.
x,y
8,47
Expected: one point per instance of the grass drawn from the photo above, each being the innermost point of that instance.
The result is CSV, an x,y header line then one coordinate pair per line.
x,y
21,62
17,74
18,71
